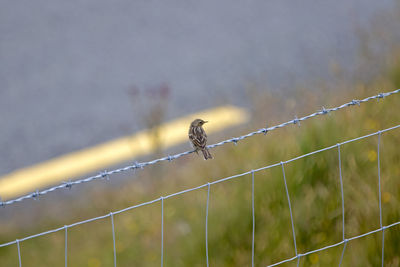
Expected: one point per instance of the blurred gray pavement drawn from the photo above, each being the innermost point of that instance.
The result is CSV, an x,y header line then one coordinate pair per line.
x,y
67,67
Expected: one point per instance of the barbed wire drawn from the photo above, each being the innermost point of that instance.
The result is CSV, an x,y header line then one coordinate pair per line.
x,y
208,185
235,140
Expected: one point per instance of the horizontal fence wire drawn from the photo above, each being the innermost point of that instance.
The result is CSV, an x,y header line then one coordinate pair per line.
x,y
235,140
161,199
336,244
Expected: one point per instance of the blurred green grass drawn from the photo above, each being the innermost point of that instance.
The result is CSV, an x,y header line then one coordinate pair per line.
x,y
313,184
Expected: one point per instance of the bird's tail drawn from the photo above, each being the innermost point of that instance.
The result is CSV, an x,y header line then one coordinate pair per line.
x,y
206,154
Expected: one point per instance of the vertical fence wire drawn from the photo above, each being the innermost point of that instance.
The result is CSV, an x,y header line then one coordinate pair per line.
x,y
380,196
341,190
66,246
383,247
290,208
254,217
208,202
19,254
379,180
298,260
162,231
342,194
113,234
341,258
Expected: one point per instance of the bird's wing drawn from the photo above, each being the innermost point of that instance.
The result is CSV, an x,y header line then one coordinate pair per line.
x,y
198,137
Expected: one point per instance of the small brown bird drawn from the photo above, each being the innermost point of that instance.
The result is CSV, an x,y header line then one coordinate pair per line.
x,y
198,137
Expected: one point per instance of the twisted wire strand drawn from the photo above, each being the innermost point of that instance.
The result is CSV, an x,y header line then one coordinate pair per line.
x,y
235,140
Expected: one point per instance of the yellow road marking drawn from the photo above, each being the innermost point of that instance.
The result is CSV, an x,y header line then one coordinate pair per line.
x,y
113,152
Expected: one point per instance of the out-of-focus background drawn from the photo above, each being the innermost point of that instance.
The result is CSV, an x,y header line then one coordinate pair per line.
x,y
76,77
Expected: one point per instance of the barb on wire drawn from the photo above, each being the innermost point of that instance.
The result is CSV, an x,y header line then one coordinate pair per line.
x,y
169,158
105,175
265,130
207,185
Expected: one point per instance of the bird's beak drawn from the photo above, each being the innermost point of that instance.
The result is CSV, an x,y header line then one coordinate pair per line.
x,y
205,121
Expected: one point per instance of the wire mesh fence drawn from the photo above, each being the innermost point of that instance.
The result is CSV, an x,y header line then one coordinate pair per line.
x,y
297,254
